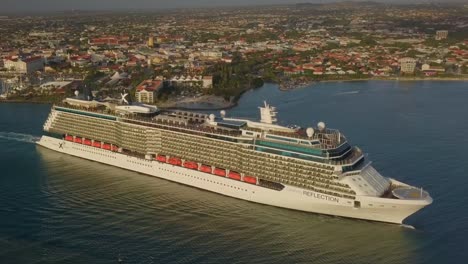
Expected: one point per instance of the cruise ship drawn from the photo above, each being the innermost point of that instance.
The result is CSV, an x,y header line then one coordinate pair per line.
x,y
311,169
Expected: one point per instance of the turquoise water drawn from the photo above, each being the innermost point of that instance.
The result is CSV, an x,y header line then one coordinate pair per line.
x,y
60,209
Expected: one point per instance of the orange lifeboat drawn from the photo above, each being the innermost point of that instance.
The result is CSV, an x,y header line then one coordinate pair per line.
x,y
87,142
250,179
115,148
106,146
175,161
205,168
78,140
97,144
234,175
191,165
161,158
219,172
69,138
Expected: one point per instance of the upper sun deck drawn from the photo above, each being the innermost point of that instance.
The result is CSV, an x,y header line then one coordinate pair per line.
x,y
244,130
327,138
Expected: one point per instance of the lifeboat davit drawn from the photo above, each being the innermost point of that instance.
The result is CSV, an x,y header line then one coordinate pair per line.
x,y
191,165
87,142
106,146
97,144
219,172
69,138
175,161
250,179
205,168
78,140
234,175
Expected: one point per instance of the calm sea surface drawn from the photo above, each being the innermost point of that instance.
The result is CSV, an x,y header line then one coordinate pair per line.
x,y
61,209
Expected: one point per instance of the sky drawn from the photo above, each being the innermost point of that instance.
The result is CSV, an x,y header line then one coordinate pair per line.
x,y
7,6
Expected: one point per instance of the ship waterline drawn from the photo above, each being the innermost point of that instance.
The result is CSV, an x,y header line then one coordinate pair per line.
x,y
290,197
312,170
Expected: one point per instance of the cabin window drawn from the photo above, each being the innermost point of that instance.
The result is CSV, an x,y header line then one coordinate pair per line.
x,y
357,204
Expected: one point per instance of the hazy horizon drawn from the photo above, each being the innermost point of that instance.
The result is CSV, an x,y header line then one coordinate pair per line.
x,y
19,6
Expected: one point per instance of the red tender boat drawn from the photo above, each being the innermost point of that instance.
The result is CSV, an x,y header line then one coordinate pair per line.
x,y
87,142
205,168
69,138
115,148
97,144
161,158
219,172
106,146
250,179
175,161
191,165
78,140
234,175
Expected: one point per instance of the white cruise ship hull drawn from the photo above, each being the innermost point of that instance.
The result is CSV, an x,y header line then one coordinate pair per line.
x,y
371,208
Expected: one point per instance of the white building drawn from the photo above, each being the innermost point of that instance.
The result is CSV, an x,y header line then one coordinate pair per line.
x,y
427,67
407,65
441,34
212,54
207,82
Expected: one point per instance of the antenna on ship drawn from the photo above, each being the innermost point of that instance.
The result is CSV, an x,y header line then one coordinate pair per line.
x,y
222,113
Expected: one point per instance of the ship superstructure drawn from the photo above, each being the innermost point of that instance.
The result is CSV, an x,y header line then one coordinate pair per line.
x,y
308,169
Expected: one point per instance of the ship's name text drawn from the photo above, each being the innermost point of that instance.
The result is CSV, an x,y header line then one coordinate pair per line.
x,y
321,196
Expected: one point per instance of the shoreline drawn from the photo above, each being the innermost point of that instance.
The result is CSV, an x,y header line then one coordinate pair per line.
x,y
389,79
395,79
6,101
213,102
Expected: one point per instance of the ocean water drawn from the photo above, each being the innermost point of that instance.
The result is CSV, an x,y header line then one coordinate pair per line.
x,y
61,209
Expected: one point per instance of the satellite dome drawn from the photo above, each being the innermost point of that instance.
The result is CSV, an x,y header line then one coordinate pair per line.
x,y
223,113
310,132
77,93
321,125
212,118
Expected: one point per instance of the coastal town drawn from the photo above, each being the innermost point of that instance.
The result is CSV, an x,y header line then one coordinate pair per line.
x,y
209,57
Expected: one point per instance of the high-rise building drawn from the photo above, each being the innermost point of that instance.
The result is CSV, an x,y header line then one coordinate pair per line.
x,y
441,34
407,65
146,91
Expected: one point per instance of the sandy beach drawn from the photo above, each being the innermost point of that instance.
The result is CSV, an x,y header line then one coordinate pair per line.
x,y
205,102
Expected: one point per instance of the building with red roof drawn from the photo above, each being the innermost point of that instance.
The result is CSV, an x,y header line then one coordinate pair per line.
x,y
146,91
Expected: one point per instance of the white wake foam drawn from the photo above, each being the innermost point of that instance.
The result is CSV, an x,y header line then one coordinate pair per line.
x,y
19,137
345,93
408,226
